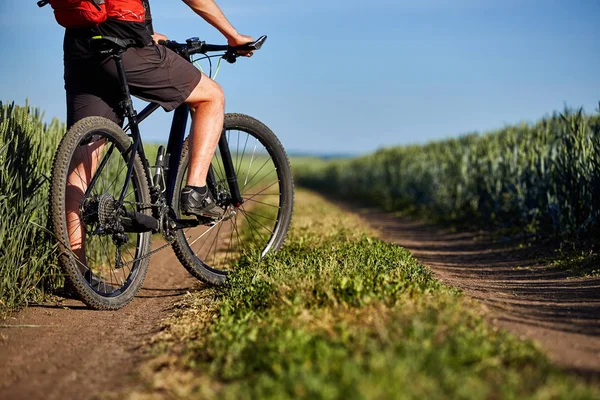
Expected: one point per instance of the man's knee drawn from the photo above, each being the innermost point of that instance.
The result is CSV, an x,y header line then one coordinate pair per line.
x,y
207,91
217,94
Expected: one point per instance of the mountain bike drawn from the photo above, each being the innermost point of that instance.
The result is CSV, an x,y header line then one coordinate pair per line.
x,y
104,188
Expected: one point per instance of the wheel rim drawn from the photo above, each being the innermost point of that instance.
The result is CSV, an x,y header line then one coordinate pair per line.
x,y
108,268
254,226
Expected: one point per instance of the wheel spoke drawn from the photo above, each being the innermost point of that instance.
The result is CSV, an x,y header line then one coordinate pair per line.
x,y
256,173
230,242
260,180
267,188
216,238
250,165
205,232
261,202
258,222
210,248
253,230
261,216
117,176
243,152
237,232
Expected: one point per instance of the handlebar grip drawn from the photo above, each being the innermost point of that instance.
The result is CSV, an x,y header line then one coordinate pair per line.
x,y
256,45
169,43
259,43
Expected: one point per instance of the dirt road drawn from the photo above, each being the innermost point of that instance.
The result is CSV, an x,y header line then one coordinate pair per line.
x,y
535,301
71,352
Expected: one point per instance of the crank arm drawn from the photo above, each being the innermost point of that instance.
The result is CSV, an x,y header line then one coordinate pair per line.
x,y
178,224
136,222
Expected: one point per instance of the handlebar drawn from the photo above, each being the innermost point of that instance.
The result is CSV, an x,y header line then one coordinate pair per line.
x,y
196,46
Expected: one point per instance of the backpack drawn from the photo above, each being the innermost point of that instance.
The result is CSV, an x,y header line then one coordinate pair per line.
x,y
90,13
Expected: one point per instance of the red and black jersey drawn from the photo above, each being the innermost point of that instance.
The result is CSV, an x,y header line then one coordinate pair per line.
x,y
76,43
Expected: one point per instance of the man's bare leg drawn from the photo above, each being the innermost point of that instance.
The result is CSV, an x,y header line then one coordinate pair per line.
x,y
83,165
208,101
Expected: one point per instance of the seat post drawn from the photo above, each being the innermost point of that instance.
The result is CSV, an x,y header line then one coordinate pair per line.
x,y
127,105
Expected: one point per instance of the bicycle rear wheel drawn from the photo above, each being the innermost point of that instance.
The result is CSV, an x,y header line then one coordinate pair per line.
x,y
260,224
105,265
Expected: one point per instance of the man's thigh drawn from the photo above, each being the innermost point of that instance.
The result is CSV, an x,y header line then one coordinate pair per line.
x,y
89,93
82,105
156,74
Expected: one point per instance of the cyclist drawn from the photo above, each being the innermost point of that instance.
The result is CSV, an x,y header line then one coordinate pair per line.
x,y
156,74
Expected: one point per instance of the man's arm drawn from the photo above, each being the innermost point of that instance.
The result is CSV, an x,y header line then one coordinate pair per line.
x,y
211,13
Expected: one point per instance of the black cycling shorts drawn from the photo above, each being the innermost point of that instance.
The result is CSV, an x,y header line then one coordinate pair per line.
x,y
154,73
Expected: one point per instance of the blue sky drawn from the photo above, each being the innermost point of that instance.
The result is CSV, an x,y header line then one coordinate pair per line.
x,y
349,76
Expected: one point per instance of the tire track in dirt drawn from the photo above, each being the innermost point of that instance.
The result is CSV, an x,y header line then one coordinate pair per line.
x,y
78,353
532,300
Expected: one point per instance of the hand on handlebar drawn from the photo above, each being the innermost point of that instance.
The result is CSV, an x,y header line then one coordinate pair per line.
x,y
159,37
241,40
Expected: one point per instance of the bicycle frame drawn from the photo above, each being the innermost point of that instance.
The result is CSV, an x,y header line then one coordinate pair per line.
x,y
174,150
174,146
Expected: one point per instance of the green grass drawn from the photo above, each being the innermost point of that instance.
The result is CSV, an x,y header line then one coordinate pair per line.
x,y
578,259
339,314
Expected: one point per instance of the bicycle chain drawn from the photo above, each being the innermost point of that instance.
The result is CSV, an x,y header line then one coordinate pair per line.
x,y
144,256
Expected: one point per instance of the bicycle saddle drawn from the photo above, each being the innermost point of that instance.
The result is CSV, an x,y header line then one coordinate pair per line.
x,y
111,45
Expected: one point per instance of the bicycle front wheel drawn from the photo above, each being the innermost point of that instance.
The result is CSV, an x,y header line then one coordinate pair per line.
x,y
105,263
260,224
